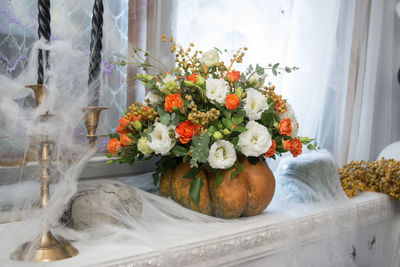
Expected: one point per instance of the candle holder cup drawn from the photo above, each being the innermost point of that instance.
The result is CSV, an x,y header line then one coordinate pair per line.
x,y
92,119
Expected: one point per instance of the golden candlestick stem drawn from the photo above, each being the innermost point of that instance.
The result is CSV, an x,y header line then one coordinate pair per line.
x,y
48,248
92,119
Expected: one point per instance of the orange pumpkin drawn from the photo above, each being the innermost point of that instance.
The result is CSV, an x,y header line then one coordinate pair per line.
x,y
248,194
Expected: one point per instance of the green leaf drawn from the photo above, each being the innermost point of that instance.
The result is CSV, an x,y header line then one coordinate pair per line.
x,y
111,161
239,169
165,118
288,70
124,110
156,178
274,72
180,151
195,187
219,178
275,66
235,140
253,160
237,119
192,173
199,149
259,70
218,50
240,129
227,123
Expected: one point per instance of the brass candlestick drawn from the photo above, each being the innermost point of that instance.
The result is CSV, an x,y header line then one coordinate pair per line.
x,y
48,248
92,118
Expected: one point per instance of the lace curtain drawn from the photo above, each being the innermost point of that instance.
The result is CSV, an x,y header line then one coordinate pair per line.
x,y
70,21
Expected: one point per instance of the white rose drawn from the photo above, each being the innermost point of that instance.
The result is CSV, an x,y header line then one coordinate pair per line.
x,y
161,141
217,90
169,84
210,58
143,146
255,104
222,155
292,116
151,100
256,80
255,141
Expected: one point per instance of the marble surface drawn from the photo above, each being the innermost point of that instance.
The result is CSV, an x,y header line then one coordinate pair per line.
x,y
272,237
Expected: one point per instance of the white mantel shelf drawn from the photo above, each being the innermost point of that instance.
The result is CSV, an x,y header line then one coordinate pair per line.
x,y
248,240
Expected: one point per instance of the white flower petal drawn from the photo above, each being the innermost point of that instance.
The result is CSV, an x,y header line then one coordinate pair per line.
x,y
222,155
210,58
161,141
255,141
255,104
217,90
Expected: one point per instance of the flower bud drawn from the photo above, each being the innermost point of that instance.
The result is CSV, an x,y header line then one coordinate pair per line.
x,y
200,81
189,83
226,131
217,135
239,92
137,125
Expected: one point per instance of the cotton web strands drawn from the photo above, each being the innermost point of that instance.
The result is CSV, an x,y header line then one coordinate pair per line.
x,y
381,176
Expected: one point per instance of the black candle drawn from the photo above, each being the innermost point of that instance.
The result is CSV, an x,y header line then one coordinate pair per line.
x,y
45,32
95,52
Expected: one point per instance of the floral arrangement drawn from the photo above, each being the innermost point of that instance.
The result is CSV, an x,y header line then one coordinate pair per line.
x,y
206,113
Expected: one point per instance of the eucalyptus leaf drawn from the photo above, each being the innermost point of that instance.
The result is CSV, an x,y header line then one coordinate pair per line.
x,y
192,173
180,151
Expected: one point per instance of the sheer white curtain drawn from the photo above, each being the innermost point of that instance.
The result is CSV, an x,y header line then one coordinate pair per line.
x,y
373,88
344,94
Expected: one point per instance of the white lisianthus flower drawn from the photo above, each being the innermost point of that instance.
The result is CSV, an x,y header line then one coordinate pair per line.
x,y
151,100
255,141
143,146
217,90
169,84
222,155
210,58
161,141
255,104
257,81
292,116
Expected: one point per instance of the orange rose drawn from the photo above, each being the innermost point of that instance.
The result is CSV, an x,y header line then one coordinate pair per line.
x,y
294,146
125,140
113,146
192,77
173,100
187,130
135,118
285,127
232,101
271,150
233,76
122,130
124,122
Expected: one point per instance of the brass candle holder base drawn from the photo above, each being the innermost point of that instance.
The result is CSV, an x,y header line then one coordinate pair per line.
x,y
48,249
92,118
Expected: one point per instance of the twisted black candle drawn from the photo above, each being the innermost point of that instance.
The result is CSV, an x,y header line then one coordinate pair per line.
x,y
45,32
95,52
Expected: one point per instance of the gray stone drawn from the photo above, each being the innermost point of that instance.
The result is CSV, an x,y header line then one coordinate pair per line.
x,y
106,203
